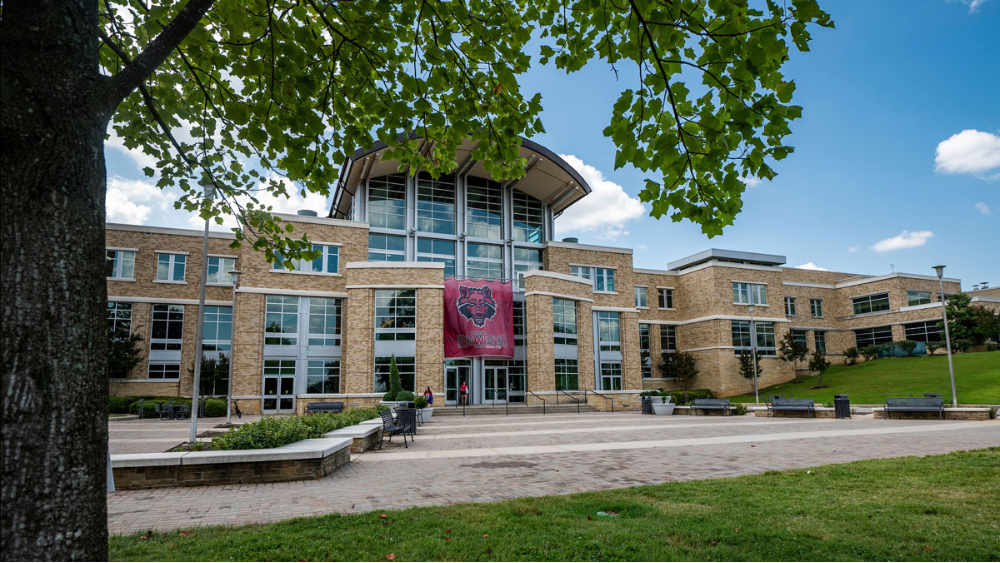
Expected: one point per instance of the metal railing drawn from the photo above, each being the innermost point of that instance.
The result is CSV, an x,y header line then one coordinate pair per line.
x,y
540,399
612,399
577,399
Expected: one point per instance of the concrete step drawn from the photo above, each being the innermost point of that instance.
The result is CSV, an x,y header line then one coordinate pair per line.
x,y
513,410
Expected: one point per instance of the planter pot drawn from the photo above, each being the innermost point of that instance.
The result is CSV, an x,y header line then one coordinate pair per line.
x,y
425,414
661,408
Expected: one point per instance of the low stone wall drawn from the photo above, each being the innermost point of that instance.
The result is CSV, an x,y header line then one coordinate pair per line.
x,y
821,412
960,413
364,436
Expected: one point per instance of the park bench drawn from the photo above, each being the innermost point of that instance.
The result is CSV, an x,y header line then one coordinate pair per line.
x,y
914,404
324,407
806,405
711,404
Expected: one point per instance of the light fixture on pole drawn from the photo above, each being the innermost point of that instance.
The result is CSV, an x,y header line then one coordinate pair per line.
x,y
209,192
235,275
753,356
947,336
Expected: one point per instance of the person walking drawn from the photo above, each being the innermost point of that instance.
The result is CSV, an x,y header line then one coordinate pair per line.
x,y
429,396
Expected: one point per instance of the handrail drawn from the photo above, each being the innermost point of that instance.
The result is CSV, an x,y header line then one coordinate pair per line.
x,y
612,399
571,397
539,398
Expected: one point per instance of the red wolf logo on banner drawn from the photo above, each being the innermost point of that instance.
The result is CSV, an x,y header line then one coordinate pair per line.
x,y
476,304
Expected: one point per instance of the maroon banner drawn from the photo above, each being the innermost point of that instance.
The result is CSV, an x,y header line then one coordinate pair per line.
x,y
478,318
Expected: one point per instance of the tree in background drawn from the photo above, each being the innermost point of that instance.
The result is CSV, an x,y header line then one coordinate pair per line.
x,y
819,364
124,352
395,385
969,322
750,369
680,366
792,352
213,370
255,95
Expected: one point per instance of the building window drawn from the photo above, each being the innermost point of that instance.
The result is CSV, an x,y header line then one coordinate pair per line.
x,y
567,375
485,261
324,321
525,260
816,307
119,317
799,337
918,298
666,297
647,364
323,376
564,321
871,303
668,338
281,320
436,204
327,261
528,218
386,248
581,272
873,336
749,293
120,265
926,331
434,250
218,270
611,376
766,344
396,314
610,331
164,371
387,202
170,267
519,323
484,208
168,327
939,298
820,338
789,306
604,279
217,332
640,297
406,367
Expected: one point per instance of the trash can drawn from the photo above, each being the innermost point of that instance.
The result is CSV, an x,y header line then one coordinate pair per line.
x,y
842,406
647,404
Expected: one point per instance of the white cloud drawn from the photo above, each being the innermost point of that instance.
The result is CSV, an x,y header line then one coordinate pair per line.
x,y
132,201
811,266
972,4
854,249
971,151
751,181
140,158
605,211
905,239
983,208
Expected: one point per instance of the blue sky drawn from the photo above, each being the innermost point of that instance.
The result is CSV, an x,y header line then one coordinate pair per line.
x,y
880,93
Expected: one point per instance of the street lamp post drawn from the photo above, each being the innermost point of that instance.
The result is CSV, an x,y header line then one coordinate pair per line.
x,y
235,275
753,357
209,192
947,336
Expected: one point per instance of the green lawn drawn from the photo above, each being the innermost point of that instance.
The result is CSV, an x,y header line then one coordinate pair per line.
x,y
905,509
977,379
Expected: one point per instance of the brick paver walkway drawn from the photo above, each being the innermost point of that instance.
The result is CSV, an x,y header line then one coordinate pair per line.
x,y
488,458
150,435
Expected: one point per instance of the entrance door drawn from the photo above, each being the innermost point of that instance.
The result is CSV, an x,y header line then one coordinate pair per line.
x,y
517,385
495,384
454,376
279,393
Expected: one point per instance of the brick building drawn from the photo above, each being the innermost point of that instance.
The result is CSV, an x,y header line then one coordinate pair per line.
x,y
585,318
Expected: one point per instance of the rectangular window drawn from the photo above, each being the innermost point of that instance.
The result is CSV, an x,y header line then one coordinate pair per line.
x,y
946,296
396,314
609,327
918,298
324,321
406,367
386,248
119,318
766,344
581,272
323,376
519,323
170,267
567,375
647,364
926,331
640,297
564,321
666,297
434,250
871,303
281,320
120,265
484,209
525,260
816,307
873,336
820,338
789,306
799,337
218,270
668,338
611,376
387,202
164,371
436,204
327,261
217,332
749,293
528,217
485,261
604,279
168,327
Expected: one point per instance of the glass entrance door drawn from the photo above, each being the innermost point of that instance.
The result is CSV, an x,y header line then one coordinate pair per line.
x,y
517,385
495,384
455,374
279,394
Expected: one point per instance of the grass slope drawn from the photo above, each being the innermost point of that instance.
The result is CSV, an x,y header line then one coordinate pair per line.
x,y
904,509
977,380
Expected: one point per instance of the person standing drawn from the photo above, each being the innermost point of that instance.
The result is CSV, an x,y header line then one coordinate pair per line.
x,y
463,390
429,396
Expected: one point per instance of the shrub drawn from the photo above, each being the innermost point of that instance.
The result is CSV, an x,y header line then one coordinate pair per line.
x,y
963,345
993,413
684,397
887,348
852,355
741,409
388,396
933,346
907,346
869,352
819,364
420,402
272,432
991,347
215,408
395,385
119,405
405,396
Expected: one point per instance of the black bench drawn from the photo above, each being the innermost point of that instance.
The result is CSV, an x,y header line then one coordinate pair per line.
x,y
806,405
390,427
711,404
914,404
324,407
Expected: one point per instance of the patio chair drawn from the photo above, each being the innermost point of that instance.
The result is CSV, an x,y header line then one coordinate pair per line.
x,y
390,427
184,411
407,420
161,410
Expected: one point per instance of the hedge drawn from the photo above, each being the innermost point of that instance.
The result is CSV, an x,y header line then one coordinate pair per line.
x,y
213,407
273,432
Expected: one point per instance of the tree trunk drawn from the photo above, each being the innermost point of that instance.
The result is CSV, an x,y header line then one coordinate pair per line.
x,y
52,126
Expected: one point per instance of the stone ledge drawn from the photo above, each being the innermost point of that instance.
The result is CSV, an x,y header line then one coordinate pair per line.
x,y
363,436
821,412
950,413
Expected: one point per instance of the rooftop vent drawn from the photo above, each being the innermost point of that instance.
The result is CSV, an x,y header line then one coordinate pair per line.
x,y
307,213
573,240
